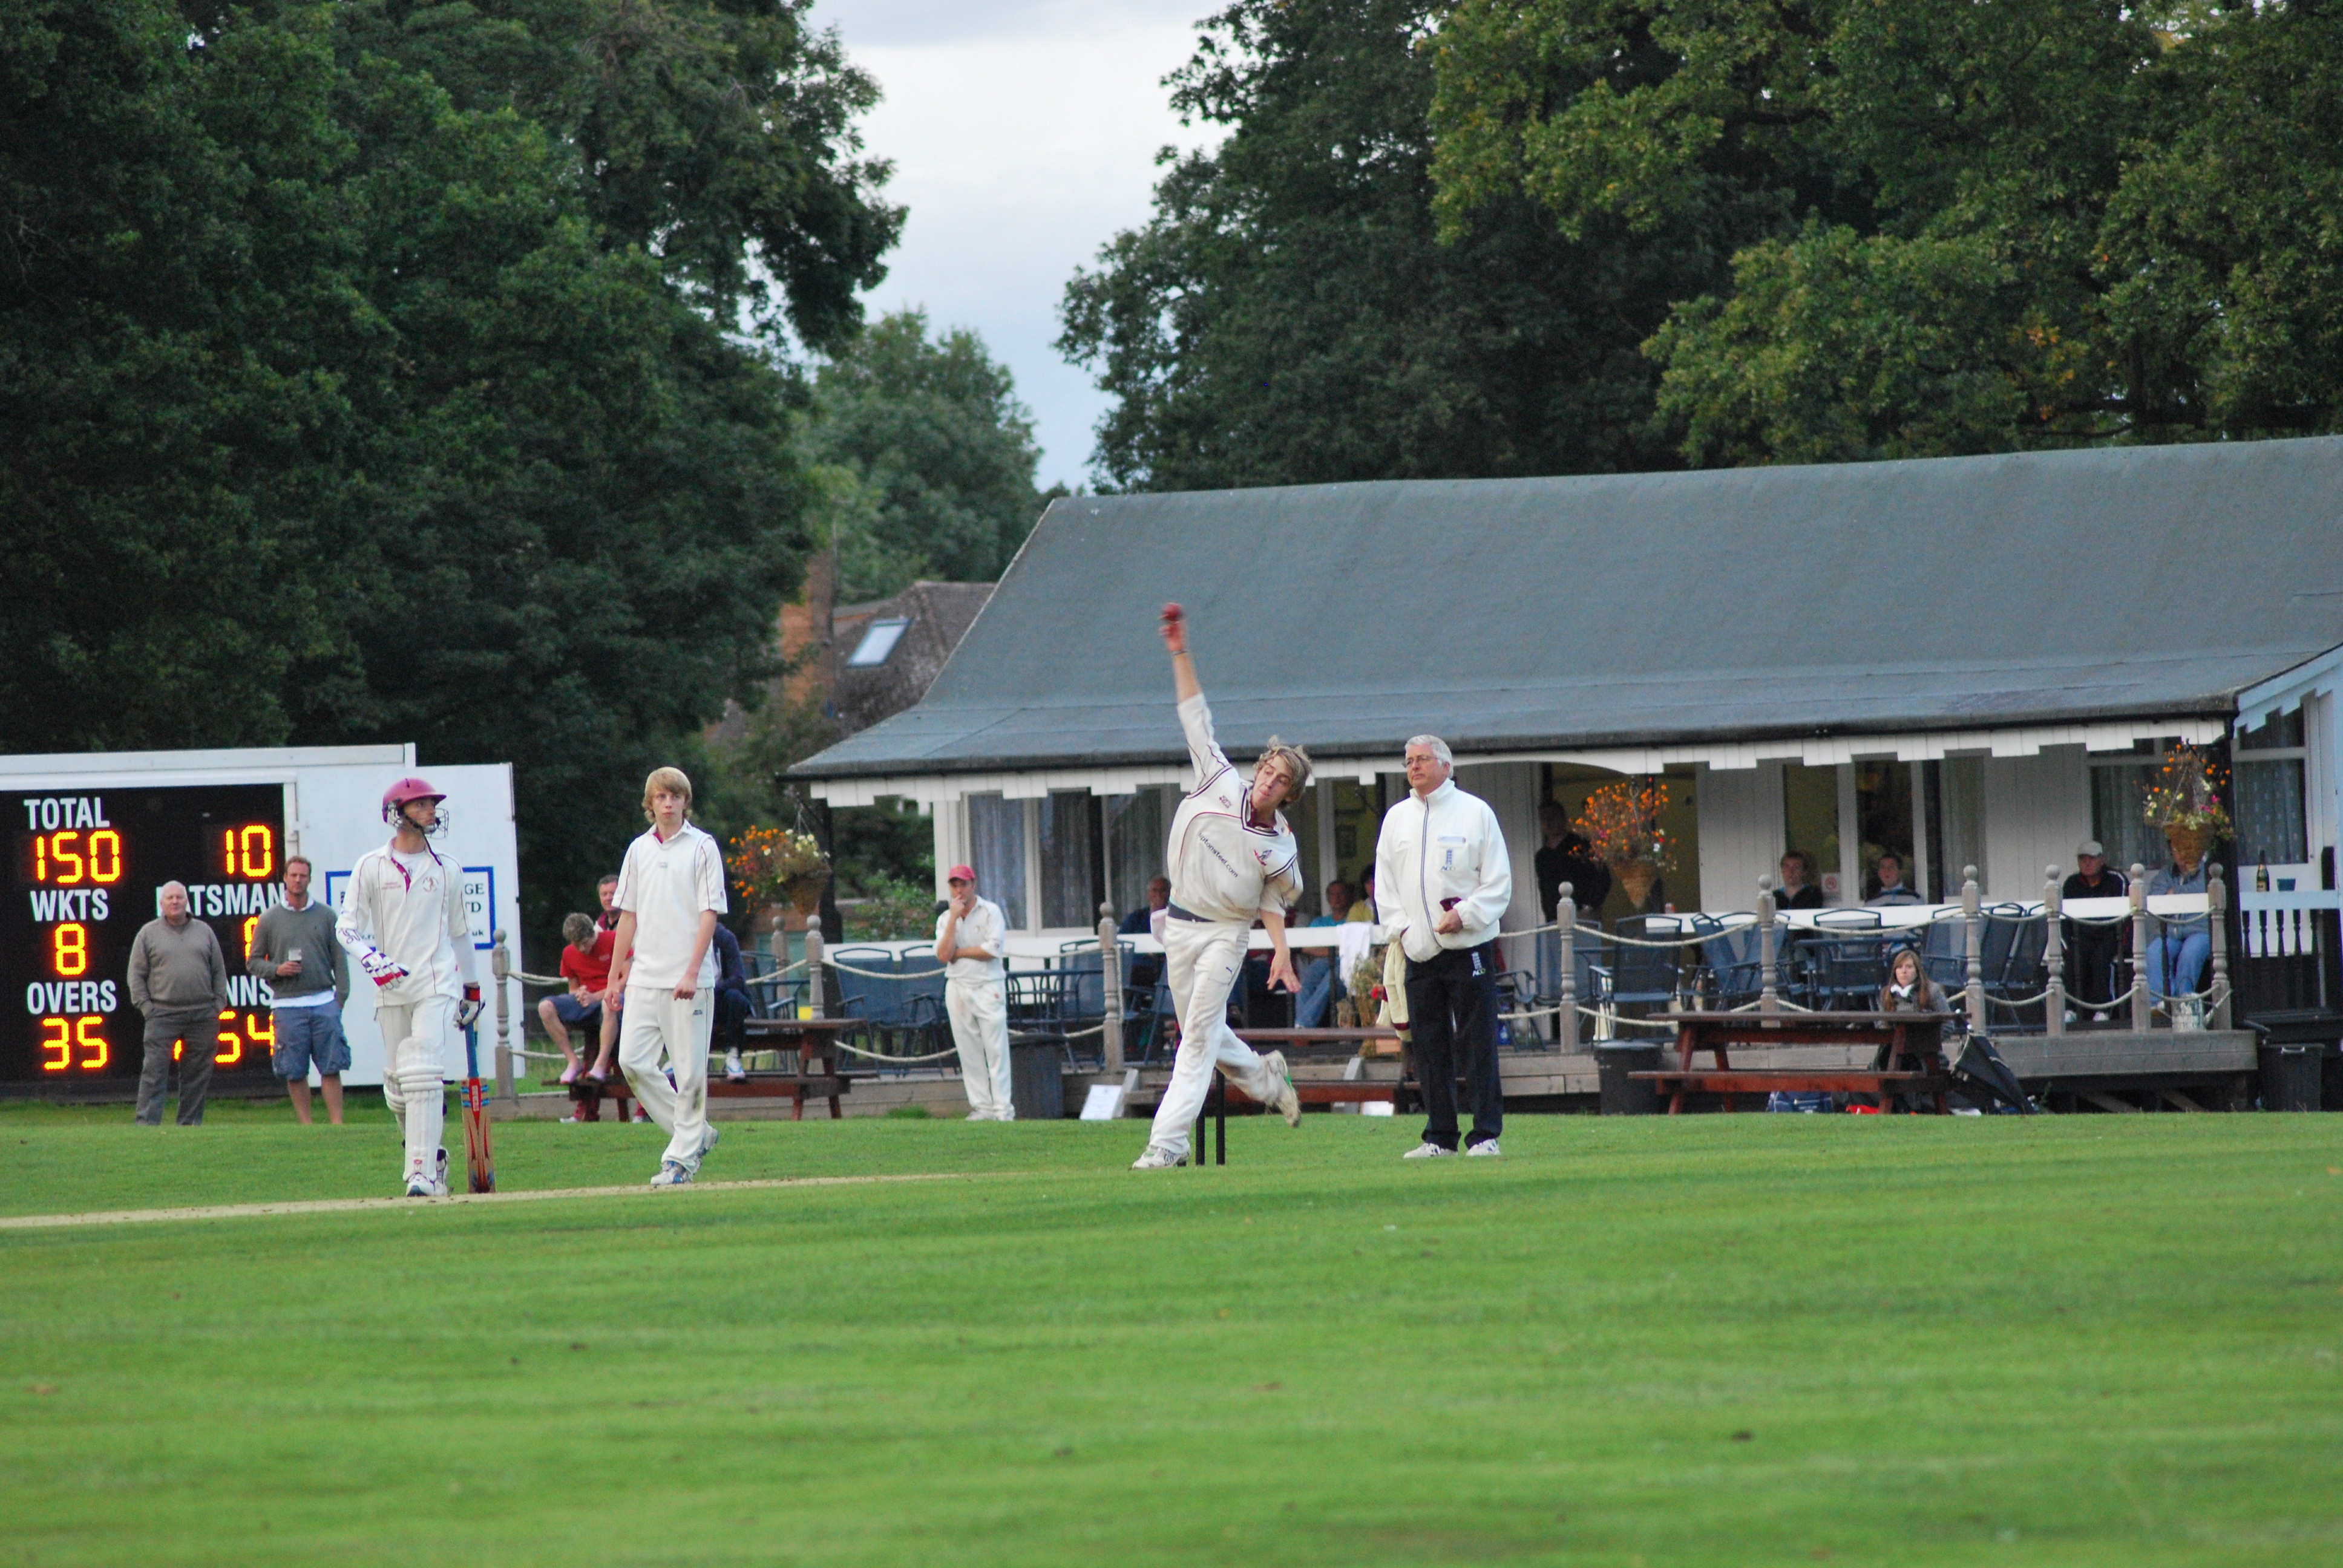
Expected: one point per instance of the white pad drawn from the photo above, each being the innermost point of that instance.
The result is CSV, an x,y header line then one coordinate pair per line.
x,y
427,1107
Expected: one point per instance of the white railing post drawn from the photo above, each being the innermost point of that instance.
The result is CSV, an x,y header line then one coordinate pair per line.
x,y
2054,956
2216,931
2142,1004
1566,924
817,992
1975,943
1769,977
1110,989
500,966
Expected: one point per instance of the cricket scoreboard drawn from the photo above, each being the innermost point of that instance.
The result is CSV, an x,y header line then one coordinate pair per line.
x,y
85,870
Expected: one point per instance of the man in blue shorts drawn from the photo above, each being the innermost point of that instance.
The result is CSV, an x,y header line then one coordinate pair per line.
x,y
309,975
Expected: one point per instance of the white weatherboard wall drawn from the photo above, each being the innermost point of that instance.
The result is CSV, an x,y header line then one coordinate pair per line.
x,y
2037,810
1740,834
1511,791
333,814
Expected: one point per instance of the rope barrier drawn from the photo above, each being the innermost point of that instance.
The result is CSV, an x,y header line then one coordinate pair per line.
x,y
882,1056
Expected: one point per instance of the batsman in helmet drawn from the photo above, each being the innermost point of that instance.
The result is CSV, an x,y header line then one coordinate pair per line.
x,y
404,924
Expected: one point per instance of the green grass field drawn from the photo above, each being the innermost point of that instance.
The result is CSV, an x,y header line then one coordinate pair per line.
x,y
1748,1340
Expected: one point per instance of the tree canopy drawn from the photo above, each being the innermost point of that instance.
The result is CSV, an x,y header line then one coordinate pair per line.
x,y
1291,313
1956,227
1479,237
376,371
925,456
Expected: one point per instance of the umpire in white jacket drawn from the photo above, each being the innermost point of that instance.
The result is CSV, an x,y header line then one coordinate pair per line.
x,y
1441,881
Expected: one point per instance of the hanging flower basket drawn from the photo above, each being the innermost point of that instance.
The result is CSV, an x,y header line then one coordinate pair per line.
x,y
1621,824
778,866
2185,803
804,892
1636,879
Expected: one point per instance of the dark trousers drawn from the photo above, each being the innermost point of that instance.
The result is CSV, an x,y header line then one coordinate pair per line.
x,y
732,1018
1451,1011
2091,962
199,1029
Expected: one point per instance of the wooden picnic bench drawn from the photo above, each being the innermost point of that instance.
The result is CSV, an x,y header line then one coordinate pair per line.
x,y
1364,1042
1915,1056
815,1042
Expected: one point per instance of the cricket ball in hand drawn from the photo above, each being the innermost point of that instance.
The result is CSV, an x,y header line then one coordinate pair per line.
x,y
1172,612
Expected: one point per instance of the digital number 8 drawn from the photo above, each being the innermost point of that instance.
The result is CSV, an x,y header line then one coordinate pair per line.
x,y
71,948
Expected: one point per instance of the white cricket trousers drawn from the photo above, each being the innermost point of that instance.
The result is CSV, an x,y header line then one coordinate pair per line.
x,y
979,1009
1204,960
652,1021
414,1081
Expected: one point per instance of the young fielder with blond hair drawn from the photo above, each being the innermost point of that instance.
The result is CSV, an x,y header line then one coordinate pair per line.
x,y
670,890
1232,858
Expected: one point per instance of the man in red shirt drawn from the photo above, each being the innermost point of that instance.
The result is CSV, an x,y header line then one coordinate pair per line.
x,y
585,965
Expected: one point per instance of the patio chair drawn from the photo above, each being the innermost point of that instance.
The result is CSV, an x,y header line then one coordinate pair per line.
x,y
1734,958
1639,976
1945,952
1847,972
1517,992
899,1013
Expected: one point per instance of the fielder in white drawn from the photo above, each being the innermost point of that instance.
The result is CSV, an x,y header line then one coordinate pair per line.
x,y
969,938
403,922
670,890
1232,858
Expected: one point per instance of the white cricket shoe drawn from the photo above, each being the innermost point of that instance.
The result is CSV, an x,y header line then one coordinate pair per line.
x,y
1158,1160
1428,1151
712,1136
735,1070
672,1173
420,1186
1286,1103
1487,1149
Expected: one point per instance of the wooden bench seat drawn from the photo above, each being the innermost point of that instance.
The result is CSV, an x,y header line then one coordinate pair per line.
x,y
1328,1091
1730,1082
796,1087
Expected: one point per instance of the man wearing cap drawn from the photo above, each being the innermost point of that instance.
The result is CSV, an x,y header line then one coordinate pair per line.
x,y
2093,949
969,938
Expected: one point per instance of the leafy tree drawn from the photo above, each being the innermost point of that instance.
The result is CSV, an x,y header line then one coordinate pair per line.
x,y
1962,227
339,405
1292,315
924,456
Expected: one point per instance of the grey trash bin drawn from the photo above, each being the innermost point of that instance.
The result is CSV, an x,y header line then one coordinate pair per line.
x,y
1622,1095
1037,1080
2290,1076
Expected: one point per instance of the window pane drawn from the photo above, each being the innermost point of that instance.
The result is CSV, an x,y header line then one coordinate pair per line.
x,y
2285,729
1070,859
2269,813
2116,794
1136,824
1810,817
877,643
996,847
1882,808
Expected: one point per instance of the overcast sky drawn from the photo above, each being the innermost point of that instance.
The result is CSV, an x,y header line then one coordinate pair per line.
x,y
1024,134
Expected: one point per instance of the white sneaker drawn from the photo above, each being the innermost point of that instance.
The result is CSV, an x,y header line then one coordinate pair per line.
x,y
1158,1160
425,1187
1487,1149
672,1173
1287,1104
712,1136
1428,1151
734,1071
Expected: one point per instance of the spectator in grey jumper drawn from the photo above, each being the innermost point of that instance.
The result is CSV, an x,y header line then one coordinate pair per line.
x,y
178,979
309,975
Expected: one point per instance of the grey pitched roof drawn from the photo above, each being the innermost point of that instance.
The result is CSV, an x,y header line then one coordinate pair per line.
x,y
1641,609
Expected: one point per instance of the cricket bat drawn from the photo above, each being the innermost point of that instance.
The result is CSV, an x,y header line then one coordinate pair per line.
x,y
479,1158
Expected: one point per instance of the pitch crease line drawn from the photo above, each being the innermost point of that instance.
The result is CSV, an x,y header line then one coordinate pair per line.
x,y
348,1205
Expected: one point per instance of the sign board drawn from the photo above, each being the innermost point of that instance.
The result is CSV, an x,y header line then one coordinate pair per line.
x,y
91,839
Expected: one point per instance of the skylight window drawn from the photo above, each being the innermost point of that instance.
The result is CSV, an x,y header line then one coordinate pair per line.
x,y
877,643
